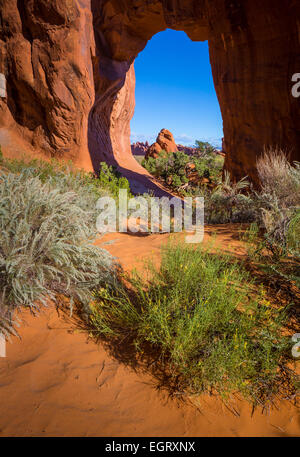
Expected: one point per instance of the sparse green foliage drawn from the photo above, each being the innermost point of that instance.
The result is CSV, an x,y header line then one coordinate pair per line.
x,y
112,180
204,148
47,229
293,234
174,168
225,201
200,321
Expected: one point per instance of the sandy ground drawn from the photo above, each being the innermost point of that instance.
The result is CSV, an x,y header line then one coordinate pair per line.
x,y
57,382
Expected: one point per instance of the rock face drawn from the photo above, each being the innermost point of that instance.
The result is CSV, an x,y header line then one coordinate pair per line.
x,y
45,55
69,76
164,142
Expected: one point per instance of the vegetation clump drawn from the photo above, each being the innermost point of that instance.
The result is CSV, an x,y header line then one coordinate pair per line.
x,y
199,322
274,238
48,215
201,325
187,174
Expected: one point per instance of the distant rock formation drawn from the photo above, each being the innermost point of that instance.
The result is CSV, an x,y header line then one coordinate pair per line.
x,y
186,149
139,148
164,142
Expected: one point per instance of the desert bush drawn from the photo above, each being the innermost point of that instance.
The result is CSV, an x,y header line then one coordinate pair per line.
x,y
225,200
65,175
110,179
209,166
279,178
204,148
172,168
229,202
274,240
200,323
168,165
293,234
46,243
278,202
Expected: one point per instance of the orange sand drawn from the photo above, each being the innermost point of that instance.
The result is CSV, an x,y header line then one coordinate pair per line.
x,y
54,382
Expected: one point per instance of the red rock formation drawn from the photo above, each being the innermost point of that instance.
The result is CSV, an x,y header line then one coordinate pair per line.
x,y
45,55
139,148
164,142
186,149
69,71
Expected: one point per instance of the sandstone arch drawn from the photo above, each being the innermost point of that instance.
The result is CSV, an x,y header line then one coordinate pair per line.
x,y
70,77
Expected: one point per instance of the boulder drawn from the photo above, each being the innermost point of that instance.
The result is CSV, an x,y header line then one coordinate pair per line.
x,y
164,142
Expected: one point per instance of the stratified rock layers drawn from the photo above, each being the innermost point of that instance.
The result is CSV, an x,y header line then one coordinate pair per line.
x,y
70,83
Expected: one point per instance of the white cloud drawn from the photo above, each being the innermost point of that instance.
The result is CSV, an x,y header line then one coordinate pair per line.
x,y
142,138
184,139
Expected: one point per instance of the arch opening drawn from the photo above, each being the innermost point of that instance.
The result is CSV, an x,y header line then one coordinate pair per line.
x,y
251,63
175,90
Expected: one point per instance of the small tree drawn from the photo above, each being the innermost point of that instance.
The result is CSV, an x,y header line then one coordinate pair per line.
x,y
204,148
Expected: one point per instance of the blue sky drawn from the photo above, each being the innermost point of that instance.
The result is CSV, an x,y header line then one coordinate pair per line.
x,y
174,90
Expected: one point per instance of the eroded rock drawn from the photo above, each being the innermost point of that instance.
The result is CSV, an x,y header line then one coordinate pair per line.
x,y
164,142
70,78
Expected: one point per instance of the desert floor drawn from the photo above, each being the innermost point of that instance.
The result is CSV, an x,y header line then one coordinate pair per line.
x,y
56,381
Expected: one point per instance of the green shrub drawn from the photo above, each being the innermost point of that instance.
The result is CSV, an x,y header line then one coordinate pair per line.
x,y
278,260
45,242
229,202
171,167
204,148
108,182
201,325
293,234
112,180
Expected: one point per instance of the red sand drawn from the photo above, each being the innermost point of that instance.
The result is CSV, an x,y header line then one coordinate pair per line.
x,y
54,382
